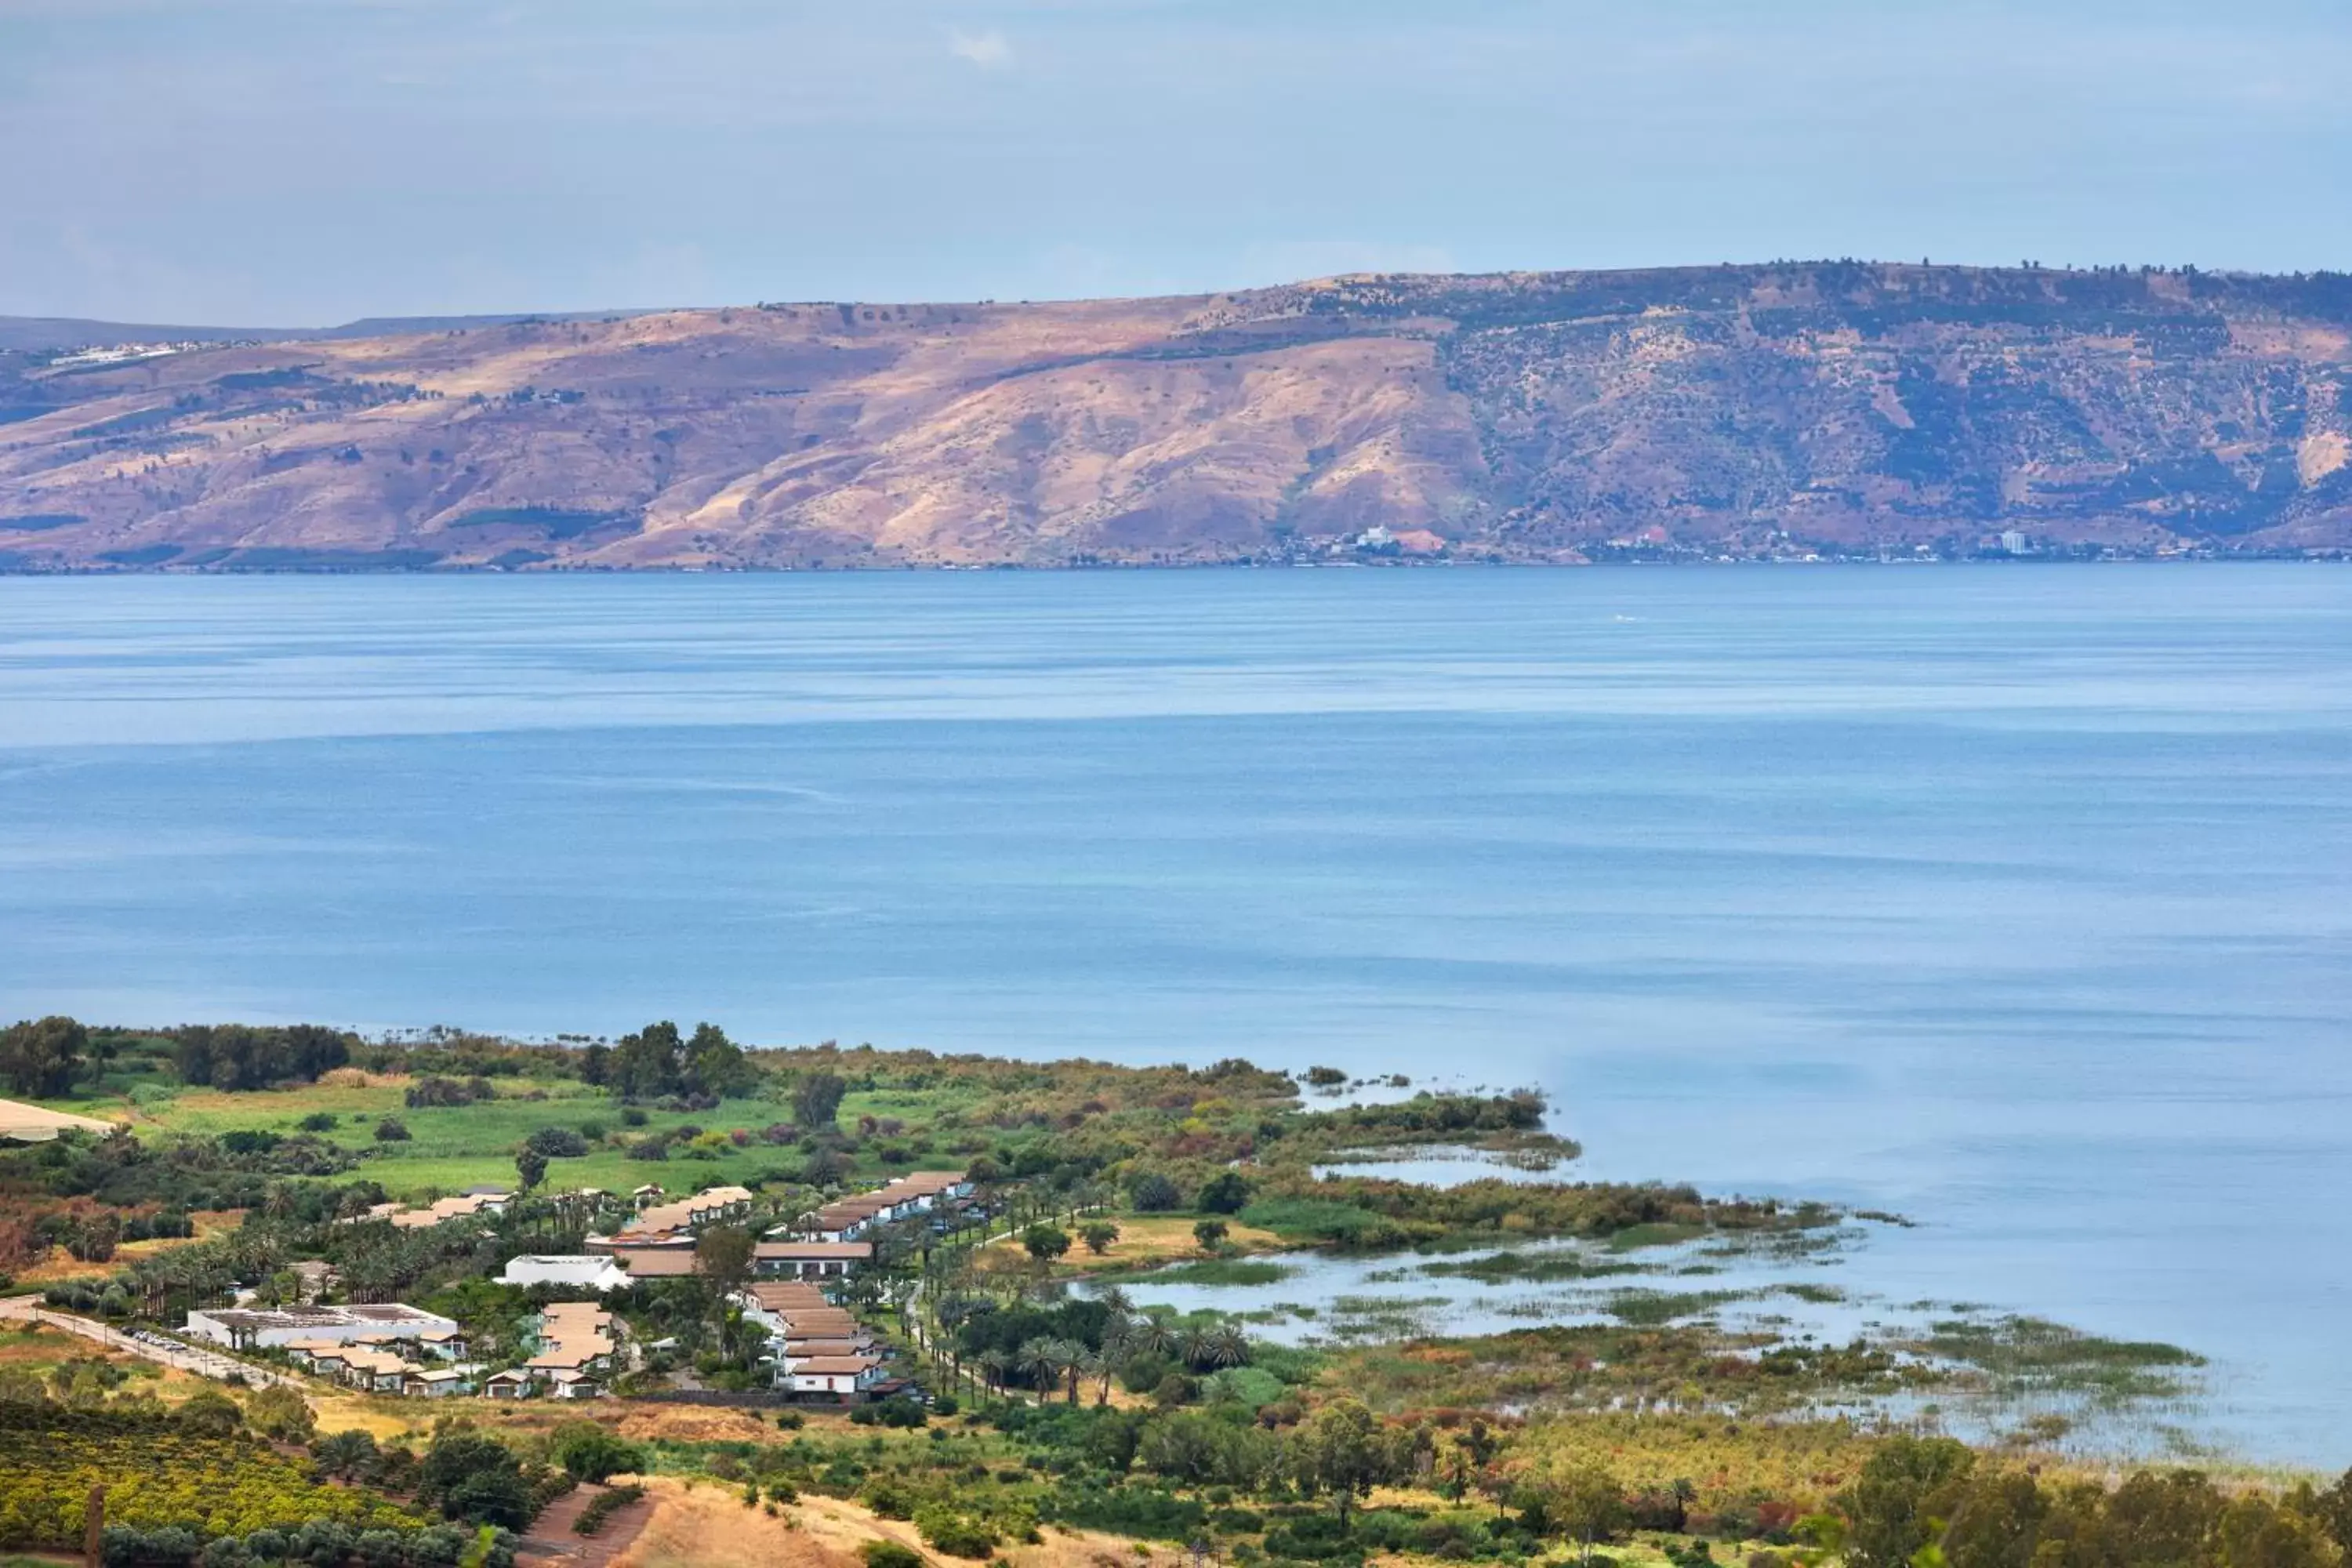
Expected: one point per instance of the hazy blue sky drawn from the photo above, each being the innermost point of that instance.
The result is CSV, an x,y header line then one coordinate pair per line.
x,y
299,162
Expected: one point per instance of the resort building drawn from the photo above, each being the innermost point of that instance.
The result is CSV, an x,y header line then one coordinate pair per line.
x,y
471,1204
846,1219
810,1259
248,1327
577,1356
712,1206
571,1270
818,1348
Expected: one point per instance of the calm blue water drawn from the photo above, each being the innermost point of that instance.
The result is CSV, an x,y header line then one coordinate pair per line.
x,y
2017,899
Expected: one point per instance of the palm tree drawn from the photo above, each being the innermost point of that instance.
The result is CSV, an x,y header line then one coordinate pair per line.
x,y
994,1365
1153,1335
1192,1348
1040,1361
1224,1345
1090,1363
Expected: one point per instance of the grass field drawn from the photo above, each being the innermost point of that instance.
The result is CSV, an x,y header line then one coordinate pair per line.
x,y
451,1148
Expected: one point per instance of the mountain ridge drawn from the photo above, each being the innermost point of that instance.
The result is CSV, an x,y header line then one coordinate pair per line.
x,y
1805,408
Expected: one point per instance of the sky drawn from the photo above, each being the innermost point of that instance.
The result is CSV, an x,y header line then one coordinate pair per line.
x,y
300,162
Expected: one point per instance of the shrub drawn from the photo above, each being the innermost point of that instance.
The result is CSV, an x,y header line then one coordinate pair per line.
x,y
588,1452
391,1129
1152,1191
556,1143
956,1534
1227,1192
892,1554
318,1122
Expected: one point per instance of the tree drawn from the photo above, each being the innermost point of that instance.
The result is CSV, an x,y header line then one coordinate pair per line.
x,y
476,1478
2255,1532
646,1064
1997,1522
1151,1192
715,1065
1210,1233
587,1452
1046,1242
2334,1508
597,1064
280,1413
722,1255
1905,1488
1098,1235
816,1100
1341,1450
346,1455
39,1058
1583,1501
207,1414
531,1165
1227,1192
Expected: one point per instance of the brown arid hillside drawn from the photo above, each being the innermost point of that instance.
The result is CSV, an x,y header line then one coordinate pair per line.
x,y
1807,408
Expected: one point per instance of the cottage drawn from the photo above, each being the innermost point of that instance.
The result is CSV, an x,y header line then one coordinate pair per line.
x,y
846,1376
436,1383
810,1259
514,1383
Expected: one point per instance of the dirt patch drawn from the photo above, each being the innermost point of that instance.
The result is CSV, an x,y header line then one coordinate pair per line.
x,y
1143,1240
709,1527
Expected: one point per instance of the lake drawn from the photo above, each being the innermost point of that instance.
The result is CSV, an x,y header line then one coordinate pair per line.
x,y
2015,898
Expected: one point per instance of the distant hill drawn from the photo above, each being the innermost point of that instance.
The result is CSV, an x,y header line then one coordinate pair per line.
x,y
1803,408
36,335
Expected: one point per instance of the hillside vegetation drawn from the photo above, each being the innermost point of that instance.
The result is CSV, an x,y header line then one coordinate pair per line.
x,y
1800,408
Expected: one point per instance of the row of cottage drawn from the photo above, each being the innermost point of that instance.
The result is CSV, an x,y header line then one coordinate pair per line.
x,y
398,1349
657,1241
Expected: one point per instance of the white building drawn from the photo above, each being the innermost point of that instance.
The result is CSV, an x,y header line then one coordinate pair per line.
x,y
246,1328
845,1375
573,1271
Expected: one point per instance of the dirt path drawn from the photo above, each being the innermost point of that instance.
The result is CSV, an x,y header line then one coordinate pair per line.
x,y
552,1541
186,1357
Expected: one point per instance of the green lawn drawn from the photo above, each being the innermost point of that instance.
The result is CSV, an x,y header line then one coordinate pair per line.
x,y
454,1147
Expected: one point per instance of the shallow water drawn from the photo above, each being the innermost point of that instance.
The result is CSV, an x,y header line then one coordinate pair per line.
x,y
2011,899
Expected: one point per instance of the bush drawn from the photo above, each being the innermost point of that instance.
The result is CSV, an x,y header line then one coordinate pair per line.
x,y
956,1534
318,1122
1227,1192
281,1414
391,1129
891,1554
1152,1191
587,1452
556,1143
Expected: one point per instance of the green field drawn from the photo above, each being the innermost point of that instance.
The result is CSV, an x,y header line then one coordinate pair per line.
x,y
451,1148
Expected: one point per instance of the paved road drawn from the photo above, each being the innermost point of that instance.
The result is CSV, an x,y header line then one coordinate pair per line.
x,y
187,1358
